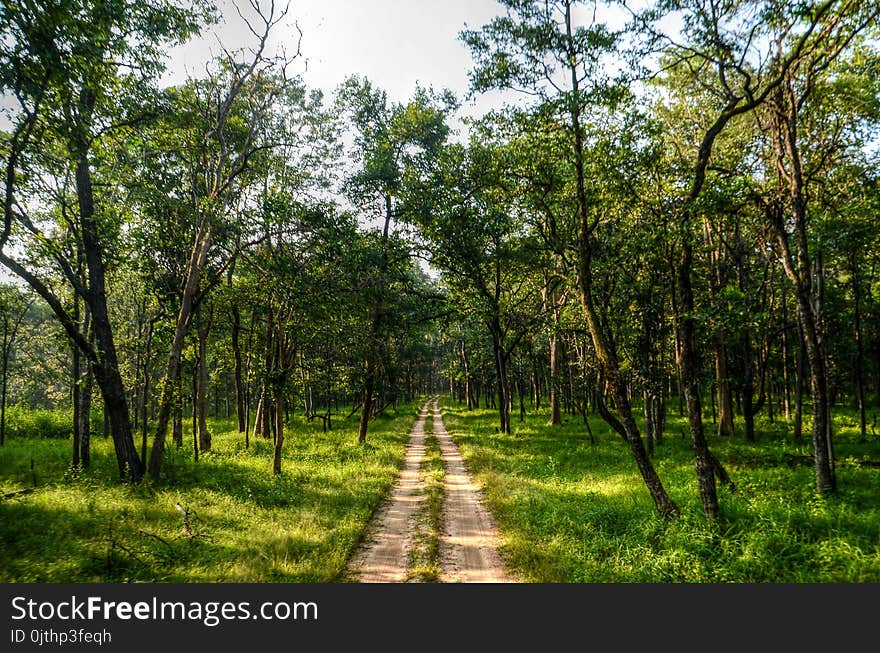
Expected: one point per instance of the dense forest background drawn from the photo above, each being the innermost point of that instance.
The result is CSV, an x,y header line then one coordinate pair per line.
x,y
669,238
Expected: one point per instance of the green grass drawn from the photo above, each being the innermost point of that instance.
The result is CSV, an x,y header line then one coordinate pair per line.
x,y
569,511
245,524
424,561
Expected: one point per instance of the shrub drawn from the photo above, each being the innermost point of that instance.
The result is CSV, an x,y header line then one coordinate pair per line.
x,y
24,422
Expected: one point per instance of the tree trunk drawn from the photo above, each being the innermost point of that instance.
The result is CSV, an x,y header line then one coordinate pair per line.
x,y
279,433
267,426
626,426
197,260
239,384
113,394
555,414
690,379
748,387
177,421
373,349
816,364
801,270
76,373
85,418
202,385
724,395
5,353
859,363
606,355
799,385
468,385
500,377
107,372
520,389
194,398
786,357
146,390
258,415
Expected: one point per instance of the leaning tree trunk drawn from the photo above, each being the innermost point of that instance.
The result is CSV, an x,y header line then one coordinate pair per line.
x,y
113,394
627,426
107,373
690,384
197,260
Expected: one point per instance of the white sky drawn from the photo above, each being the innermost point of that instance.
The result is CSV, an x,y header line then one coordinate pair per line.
x,y
395,43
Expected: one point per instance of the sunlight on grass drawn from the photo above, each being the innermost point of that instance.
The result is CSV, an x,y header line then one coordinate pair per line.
x,y
572,511
244,525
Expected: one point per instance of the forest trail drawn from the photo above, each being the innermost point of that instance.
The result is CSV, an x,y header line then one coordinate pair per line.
x,y
384,557
468,539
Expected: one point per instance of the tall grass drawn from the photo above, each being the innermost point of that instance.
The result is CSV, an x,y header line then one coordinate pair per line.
x,y
225,518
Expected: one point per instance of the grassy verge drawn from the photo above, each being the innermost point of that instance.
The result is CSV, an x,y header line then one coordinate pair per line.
x,y
569,511
424,560
242,524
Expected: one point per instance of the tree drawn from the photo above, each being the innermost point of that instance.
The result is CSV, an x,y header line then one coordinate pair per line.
x,y
391,142
741,53
14,307
789,213
541,47
82,72
227,116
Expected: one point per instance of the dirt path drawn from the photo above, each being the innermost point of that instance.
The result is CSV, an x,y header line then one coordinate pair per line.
x,y
384,557
468,541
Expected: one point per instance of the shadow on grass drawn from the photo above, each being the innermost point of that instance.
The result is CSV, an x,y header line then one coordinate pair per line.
x,y
572,511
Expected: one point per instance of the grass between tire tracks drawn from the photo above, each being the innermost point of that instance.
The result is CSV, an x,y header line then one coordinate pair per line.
x,y
424,556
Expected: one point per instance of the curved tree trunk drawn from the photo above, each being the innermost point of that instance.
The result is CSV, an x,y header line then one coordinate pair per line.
x,y
107,372
197,260
690,381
